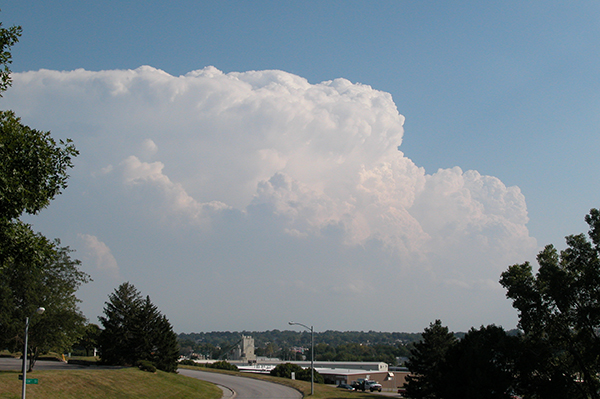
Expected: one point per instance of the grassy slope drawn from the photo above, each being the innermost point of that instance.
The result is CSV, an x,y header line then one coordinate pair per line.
x,y
126,383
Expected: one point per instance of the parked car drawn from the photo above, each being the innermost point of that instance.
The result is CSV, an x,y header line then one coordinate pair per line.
x,y
372,386
364,385
346,386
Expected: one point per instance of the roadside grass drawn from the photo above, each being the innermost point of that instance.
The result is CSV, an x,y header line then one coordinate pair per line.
x,y
127,383
321,391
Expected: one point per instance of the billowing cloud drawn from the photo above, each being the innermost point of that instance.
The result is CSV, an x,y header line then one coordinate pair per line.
x,y
98,253
261,179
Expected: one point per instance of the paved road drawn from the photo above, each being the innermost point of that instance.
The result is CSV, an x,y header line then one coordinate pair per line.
x,y
244,388
9,363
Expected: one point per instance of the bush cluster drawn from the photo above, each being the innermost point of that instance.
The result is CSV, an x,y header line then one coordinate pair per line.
x,y
146,365
222,365
285,370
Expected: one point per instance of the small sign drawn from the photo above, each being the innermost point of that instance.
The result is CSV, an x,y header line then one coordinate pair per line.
x,y
28,380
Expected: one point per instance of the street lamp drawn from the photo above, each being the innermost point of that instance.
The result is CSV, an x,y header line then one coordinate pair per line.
x,y
38,311
312,354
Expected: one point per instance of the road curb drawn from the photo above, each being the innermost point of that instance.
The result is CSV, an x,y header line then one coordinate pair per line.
x,y
227,392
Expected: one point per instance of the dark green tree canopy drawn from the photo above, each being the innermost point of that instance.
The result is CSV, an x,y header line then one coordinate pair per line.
x,y
8,38
33,168
481,365
134,329
34,271
285,370
559,313
89,340
426,361
39,272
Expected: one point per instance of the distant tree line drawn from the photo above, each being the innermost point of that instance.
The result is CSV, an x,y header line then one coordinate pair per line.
x,y
329,345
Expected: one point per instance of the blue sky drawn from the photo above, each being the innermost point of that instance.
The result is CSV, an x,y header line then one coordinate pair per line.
x,y
506,89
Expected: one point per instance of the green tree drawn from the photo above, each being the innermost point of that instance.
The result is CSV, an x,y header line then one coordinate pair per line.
x,y
559,313
285,370
89,340
134,329
305,375
163,349
426,361
39,272
116,341
8,38
34,271
33,169
222,365
481,365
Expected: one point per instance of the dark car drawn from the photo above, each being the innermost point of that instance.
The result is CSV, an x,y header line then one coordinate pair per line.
x,y
346,386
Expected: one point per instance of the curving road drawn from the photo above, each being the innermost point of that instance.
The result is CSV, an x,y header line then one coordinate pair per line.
x,y
244,388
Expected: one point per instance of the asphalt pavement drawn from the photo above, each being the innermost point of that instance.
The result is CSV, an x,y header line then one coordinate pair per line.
x,y
11,363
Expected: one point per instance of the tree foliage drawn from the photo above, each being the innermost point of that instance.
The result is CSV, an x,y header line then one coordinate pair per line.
x,y
222,365
34,271
480,365
426,362
559,313
556,354
285,370
329,345
33,169
134,329
39,272
8,38
89,340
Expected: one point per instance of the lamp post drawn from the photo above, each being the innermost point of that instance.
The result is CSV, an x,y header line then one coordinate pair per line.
x,y
23,391
312,354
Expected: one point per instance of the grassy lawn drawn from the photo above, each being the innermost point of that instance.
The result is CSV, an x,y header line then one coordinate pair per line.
x,y
125,383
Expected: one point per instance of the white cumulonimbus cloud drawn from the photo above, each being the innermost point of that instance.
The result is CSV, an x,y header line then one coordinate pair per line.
x,y
224,155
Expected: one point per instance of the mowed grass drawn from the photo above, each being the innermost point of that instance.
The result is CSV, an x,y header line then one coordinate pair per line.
x,y
127,383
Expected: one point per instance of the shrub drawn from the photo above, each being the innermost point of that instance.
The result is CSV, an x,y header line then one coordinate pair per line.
x,y
146,365
285,370
222,365
304,375
188,362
